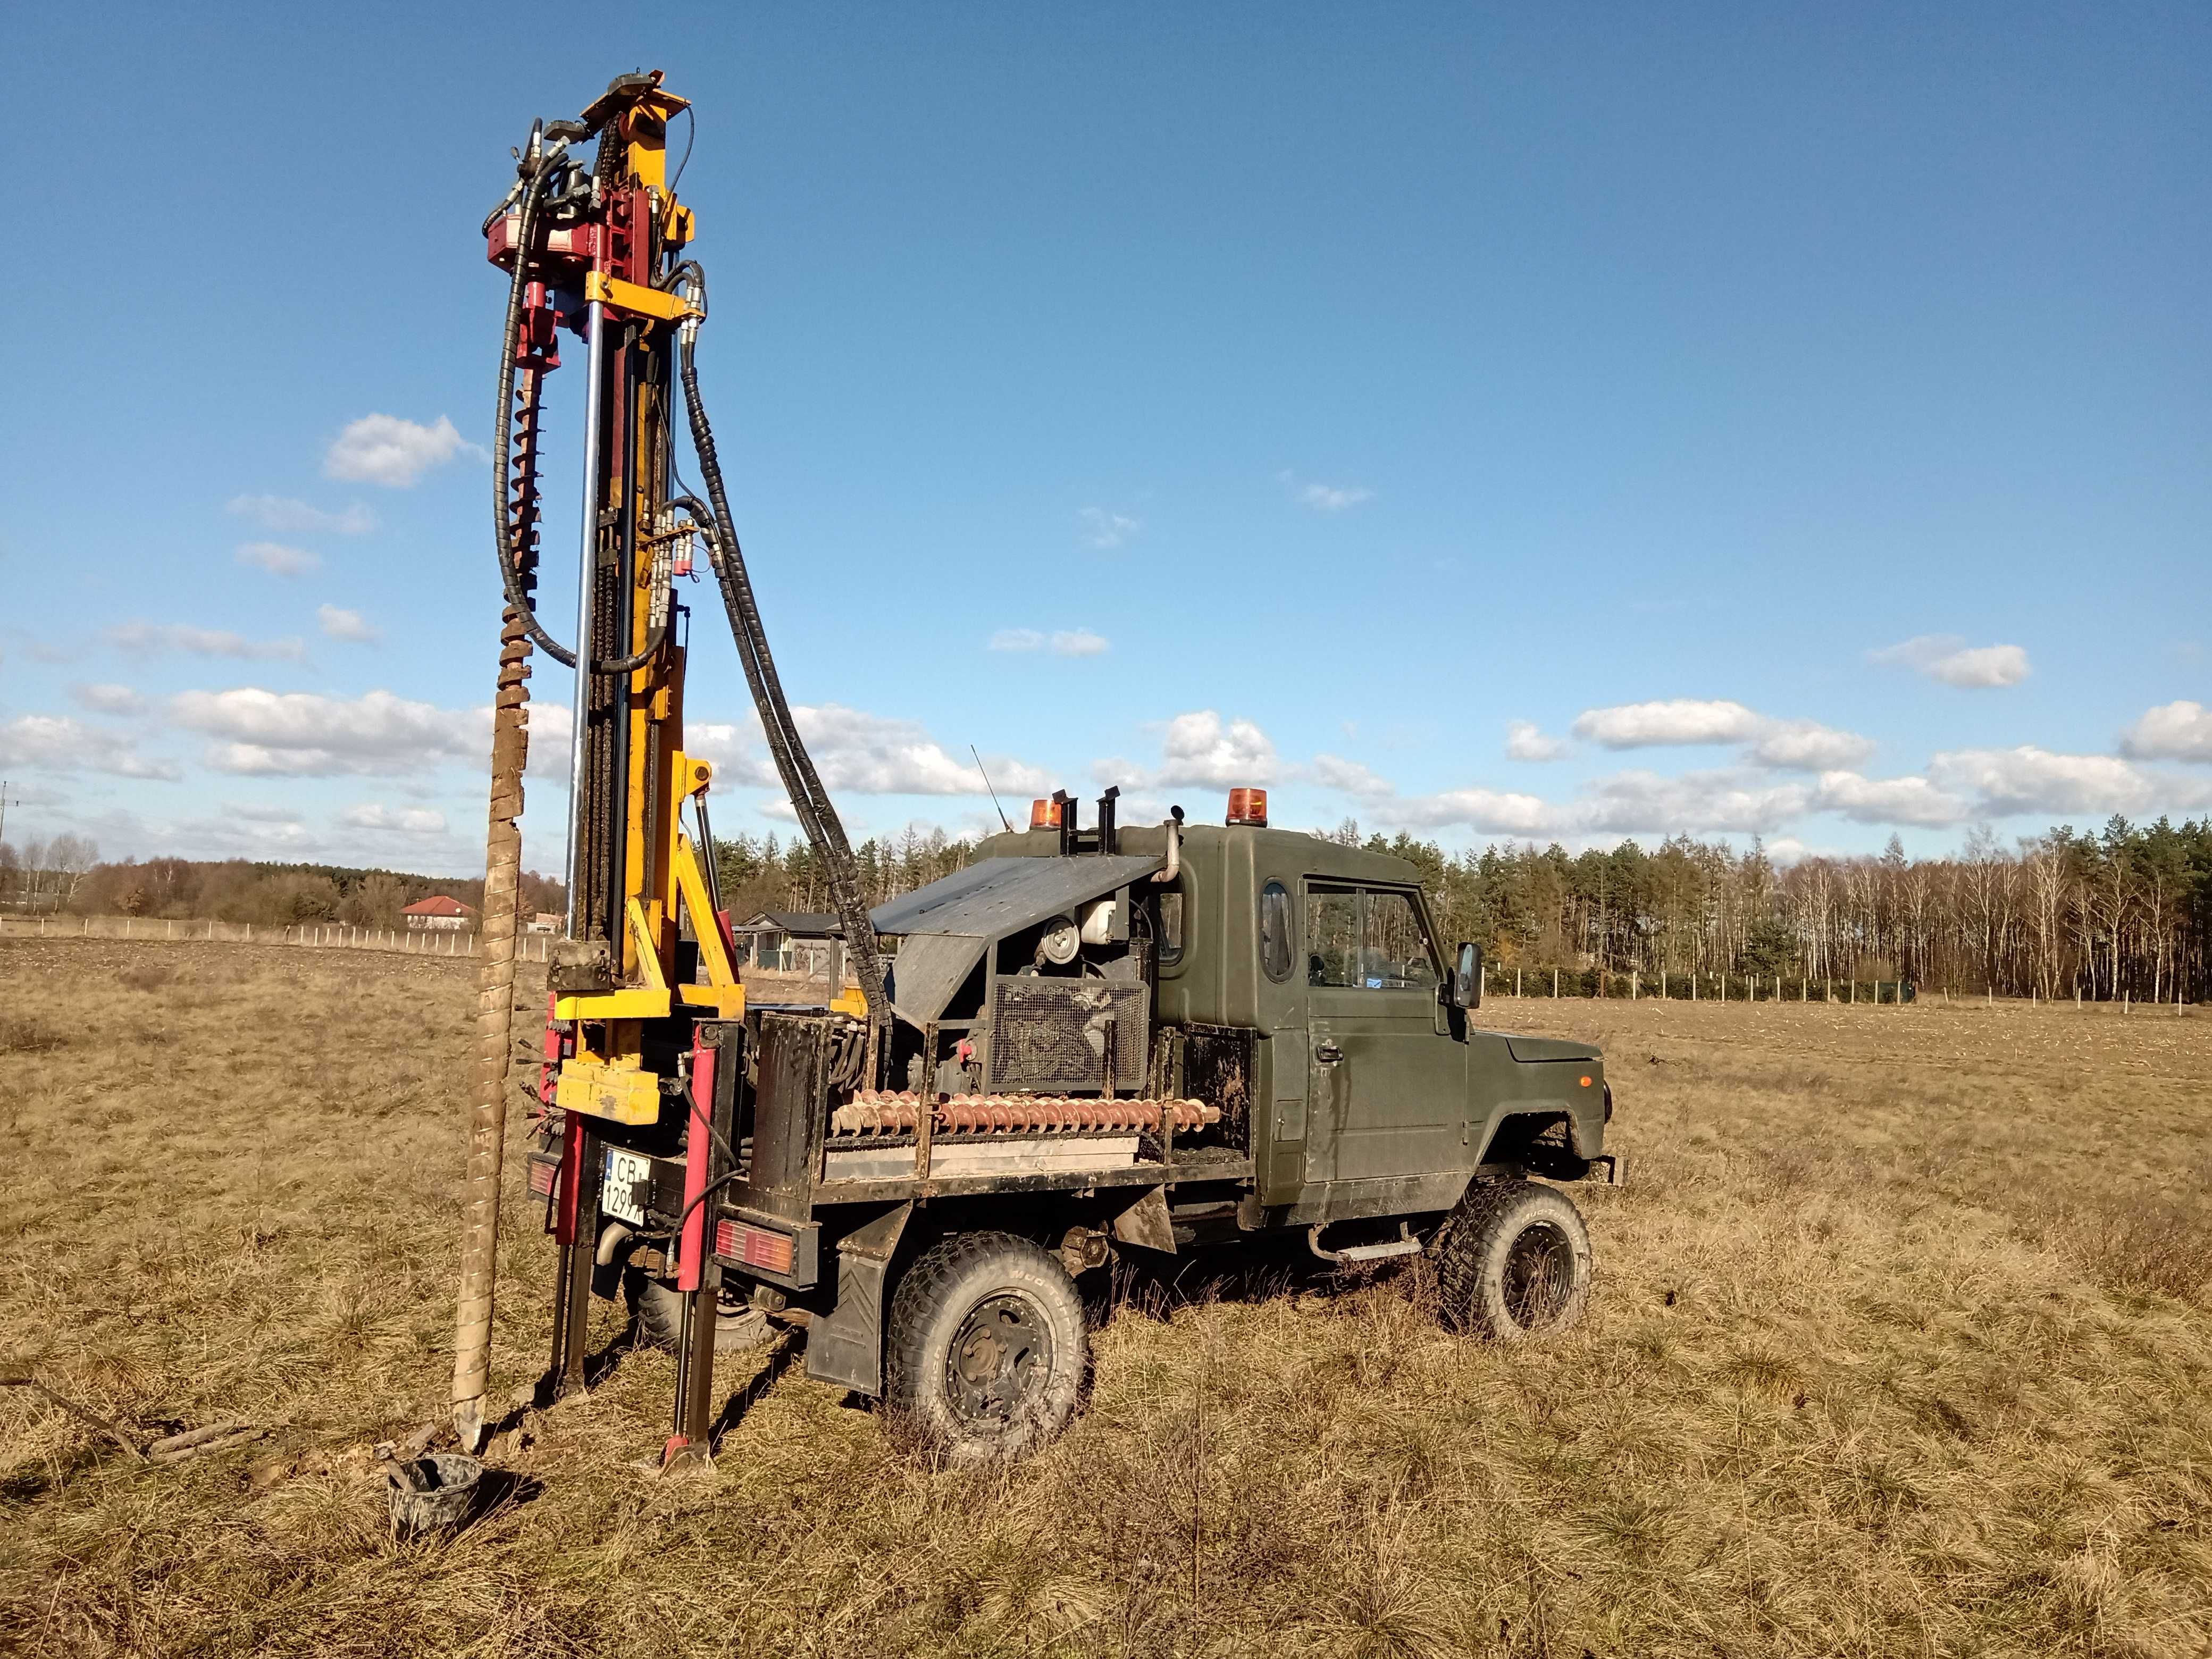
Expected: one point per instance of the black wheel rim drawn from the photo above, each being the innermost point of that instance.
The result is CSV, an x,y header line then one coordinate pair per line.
x,y
998,1362
1540,1275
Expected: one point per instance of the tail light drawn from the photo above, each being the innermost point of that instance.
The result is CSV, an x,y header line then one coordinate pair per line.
x,y
1044,815
545,1173
755,1247
1249,806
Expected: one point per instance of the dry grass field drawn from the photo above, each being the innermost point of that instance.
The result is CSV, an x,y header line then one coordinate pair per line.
x,y
1901,1343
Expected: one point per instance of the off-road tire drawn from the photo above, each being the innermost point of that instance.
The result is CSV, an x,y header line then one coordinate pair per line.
x,y
986,1352
1513,1262
656,1312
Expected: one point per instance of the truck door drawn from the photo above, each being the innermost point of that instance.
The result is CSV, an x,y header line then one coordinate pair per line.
x,y
1387,1089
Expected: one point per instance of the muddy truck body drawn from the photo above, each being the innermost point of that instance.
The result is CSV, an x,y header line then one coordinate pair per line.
x,y
1155,1040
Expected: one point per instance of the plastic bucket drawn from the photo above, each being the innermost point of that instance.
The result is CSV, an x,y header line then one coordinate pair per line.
x,y
443,1492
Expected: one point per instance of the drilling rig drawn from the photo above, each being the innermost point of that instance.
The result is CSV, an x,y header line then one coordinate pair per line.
x,y
1142,1037
644,989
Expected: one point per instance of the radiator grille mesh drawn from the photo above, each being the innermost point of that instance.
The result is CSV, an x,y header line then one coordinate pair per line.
x,y
1050,1034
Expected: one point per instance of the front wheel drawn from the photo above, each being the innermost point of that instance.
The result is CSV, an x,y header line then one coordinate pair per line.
x,y
1513,1262
987,1349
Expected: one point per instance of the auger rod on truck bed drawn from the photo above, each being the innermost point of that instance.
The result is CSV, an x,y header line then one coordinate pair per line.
x,y
1151,1038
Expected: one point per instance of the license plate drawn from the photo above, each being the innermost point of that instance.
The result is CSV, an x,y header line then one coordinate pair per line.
x,y
629,1179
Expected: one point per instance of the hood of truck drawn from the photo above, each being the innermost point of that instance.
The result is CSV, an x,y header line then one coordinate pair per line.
x,y
1528,1050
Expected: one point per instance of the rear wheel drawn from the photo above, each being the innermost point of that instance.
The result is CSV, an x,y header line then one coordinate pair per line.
x,y
987,1349
656,1312
1513,1262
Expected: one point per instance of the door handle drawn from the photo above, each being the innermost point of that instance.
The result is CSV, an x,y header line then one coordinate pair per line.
x,y
1328,1054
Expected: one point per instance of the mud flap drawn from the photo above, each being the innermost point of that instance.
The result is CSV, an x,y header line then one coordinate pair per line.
x,y
1145,1223
846,1345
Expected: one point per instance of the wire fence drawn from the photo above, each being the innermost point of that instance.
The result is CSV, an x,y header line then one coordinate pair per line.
x,y
1593,983
330,936
1543,983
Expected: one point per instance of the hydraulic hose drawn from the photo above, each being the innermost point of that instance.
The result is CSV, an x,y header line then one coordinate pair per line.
x,y
816,815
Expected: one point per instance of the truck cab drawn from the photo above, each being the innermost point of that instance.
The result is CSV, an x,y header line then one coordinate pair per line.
x,y
1376,1092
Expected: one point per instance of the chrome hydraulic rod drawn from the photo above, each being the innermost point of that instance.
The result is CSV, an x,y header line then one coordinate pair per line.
x,y
586,563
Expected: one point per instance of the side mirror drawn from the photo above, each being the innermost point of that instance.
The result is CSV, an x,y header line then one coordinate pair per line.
x,y
1467,977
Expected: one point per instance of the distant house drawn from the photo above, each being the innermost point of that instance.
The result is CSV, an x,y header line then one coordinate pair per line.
x,y
790,942
545,922
440,914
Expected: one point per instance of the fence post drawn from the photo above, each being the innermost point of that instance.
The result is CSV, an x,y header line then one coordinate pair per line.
x,y
1555,985
1634,991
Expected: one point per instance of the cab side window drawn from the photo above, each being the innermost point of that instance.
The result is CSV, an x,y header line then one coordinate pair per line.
x,y
1332,935
1275,930
1366,939
1394,950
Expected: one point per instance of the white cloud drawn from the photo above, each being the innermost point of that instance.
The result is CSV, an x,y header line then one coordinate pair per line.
x,y
1525,741
1729,802
1325,498
289,518
1106,530
108,698
385,449
1948,657
1808,747
1790,745
1486,811
148,637
1066,641
718,744
1330,498
403,821
1350,778
306,734
340,625
1200,749
1888,800
861,754
1695,803
2173,730
56,743
279,560
2004,782
1677,720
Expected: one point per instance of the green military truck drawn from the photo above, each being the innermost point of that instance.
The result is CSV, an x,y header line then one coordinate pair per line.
x,y
1158,1039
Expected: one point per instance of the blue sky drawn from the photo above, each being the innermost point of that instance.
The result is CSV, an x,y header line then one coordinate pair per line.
x,y
1566,424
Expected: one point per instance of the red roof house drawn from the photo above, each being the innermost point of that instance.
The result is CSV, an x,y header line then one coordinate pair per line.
x,y
439,914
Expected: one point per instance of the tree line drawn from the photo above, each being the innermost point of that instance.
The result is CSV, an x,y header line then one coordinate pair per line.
x,y
51,877
2125,911
2122,911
